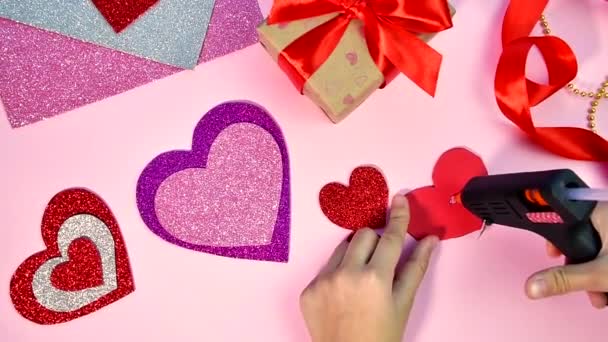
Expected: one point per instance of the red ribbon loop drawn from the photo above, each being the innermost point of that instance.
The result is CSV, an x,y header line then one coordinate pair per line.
x,y
516,94
390,27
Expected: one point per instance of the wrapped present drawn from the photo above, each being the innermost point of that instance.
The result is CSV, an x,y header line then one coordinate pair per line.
x,y
338,52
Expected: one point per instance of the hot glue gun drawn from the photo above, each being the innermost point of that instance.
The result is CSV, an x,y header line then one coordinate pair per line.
x,y
555,204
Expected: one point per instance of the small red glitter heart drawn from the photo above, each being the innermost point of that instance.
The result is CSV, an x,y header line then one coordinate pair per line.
x,y
121,13
363,203
431,212
84,268
83,271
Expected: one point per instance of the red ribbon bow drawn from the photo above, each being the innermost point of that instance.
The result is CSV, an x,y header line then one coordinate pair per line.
x,y
390,27
516,94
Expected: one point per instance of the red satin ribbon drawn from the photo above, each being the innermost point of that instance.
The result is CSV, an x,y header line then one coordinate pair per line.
x,y
390,31
516,94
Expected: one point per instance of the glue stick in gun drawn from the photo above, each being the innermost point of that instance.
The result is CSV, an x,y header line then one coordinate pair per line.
x,y
555,204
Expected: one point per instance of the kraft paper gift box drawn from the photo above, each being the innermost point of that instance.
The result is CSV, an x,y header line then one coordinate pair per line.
x,y
349,75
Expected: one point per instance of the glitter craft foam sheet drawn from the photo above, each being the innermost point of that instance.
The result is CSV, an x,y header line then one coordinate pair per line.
x,y
43,74
121,14
171,32
243,175
232,27
84,267
211,298
230,194
359,204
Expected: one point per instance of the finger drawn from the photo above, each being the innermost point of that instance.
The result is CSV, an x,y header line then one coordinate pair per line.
x,y
408,279
336,258
598,299
361,248
599,218
552,251
390,246
564,279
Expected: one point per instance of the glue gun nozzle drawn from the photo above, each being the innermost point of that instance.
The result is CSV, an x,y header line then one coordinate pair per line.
x,y
456,199
484,226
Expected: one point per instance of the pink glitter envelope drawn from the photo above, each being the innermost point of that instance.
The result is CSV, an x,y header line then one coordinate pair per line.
x,y
43,74
229,195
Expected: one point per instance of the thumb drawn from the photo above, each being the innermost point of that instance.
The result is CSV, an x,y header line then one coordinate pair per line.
x,y
409,277
560,280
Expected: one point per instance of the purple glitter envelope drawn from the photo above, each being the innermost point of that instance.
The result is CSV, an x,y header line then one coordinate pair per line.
x,y
230,194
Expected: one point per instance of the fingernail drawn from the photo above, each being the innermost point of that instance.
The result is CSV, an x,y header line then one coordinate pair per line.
x,y
538,287
597,300
399,201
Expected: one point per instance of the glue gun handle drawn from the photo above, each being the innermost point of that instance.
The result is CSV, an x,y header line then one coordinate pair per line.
x,y
580,243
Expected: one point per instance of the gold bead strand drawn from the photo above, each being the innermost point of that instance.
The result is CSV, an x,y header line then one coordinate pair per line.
x,y
591,118
597,96
571,86
545,25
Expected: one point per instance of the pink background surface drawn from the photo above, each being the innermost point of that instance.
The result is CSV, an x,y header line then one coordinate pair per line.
x,y
474,289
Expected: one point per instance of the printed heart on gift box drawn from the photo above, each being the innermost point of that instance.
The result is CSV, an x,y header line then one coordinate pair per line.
x,y
352,58
121,13
361,80
348,100
84,268
431,210
227,196
360,204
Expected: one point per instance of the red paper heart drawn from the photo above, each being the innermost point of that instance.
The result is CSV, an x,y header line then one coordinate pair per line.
x,y
84,269
59,276
121,13
361,204
431,212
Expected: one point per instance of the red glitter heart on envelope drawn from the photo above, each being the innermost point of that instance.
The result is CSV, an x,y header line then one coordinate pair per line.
x,y
121,13
84,268
361,204
431,212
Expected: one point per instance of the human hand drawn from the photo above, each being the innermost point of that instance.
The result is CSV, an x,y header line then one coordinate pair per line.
x,y
591,277
359,295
